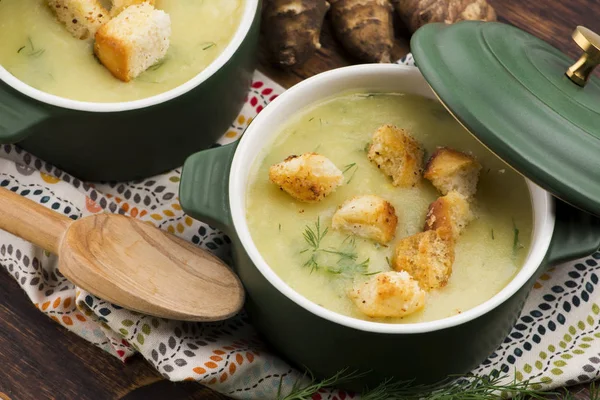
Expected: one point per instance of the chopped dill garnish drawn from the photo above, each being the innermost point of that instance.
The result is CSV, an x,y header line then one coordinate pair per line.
x,y
369,95
279,227
310,119
388,261
516,244
367,146
349,167
313,237
30,49
312,263
493,238
208,45
346,263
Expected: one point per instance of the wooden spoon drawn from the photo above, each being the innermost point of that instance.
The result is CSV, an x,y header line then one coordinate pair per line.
x,y
128,262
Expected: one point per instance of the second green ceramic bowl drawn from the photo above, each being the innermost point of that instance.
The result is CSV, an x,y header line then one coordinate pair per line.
x,y
136,139
213,189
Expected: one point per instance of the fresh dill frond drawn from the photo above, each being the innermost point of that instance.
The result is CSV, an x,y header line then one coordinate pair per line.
x,y
310,119
493,238
313,237
30,50
466,387
388,261
349,167
279,228
208,45
367,147
312,263
516,244
300,392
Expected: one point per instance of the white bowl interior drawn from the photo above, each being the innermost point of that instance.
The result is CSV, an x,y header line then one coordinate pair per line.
x,y
374,77
245,23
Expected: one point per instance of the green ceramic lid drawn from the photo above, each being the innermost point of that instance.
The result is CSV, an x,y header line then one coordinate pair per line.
x,y
511,91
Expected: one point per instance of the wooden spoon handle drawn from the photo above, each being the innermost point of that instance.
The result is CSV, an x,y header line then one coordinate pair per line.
x,y
32,221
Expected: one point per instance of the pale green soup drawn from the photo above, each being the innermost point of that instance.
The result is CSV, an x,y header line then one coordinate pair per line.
x,y
488,254
39,51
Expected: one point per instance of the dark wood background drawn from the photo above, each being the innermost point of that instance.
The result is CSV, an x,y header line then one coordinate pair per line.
x,y
39,359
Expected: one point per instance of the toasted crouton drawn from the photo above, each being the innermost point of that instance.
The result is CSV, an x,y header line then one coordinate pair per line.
x,y
449,215
397,154
309,177
369,216
449,169
133,41
82,18
389,294
427,256
120,5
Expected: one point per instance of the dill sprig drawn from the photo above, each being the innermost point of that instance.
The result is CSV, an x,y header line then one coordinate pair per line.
x,y
207,45
516,244
347,256
300,392
314,236
30,50
350,167
466,387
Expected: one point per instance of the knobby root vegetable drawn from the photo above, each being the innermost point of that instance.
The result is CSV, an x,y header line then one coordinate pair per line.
x,y
416,13
292,29
364,27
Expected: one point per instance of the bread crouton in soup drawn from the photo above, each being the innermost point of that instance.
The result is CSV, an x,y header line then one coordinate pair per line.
x,y
389,294
427,256
449,215
369,216
308,178
82,18
397,154
449,169
133,41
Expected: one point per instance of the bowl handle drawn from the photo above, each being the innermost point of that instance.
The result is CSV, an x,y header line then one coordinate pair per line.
x,y
204,186
17,115
576,234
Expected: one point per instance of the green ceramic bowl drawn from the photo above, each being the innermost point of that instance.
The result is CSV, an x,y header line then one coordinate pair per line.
x,y
213,189
130,140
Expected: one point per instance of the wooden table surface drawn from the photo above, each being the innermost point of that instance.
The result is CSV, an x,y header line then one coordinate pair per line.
x,y
39,359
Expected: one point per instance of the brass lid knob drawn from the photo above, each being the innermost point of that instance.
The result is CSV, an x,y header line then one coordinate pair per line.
x,y
590,43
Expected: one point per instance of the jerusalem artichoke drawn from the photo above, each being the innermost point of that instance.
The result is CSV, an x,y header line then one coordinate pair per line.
x,y
416,13
364,27
292,29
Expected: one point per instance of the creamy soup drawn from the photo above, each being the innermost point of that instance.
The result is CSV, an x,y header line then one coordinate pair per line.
x,y
488,254
39,51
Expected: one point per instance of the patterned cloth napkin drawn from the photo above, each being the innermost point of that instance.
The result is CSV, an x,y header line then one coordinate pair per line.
x,y
555,341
